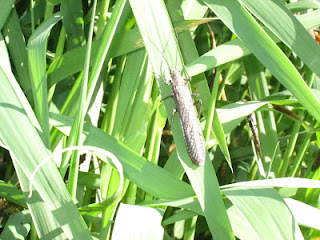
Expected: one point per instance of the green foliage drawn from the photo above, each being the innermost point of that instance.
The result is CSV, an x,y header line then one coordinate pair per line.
x,y
90,76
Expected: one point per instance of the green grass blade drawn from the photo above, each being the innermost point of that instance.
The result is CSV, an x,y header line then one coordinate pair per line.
x,y
304,214
287,182
106,40
37,47
122,43
199,83
240,226
163,51
28,154
12,194
77,127
17,227
275,16
44,221
236,49
6,6
141,172
73,22
64,66
17,47
265,120
266,51
255,205
302,5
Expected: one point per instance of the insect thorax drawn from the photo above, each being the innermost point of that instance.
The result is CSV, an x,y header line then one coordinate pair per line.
x,y
176,76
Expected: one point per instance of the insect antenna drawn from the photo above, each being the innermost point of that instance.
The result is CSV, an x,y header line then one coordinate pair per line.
x,y
145,37
163,53
184,69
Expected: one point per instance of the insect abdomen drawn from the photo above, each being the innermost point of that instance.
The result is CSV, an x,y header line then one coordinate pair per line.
x,y
189,122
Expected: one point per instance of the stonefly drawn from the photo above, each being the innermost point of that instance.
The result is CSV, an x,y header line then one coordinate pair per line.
x,y
188,118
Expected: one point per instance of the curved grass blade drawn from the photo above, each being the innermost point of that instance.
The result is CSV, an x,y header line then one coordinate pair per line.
x,y
265,50
37,47
50,196
236,49
275,16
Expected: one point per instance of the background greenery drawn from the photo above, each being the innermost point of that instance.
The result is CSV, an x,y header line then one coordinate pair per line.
x,y
87,150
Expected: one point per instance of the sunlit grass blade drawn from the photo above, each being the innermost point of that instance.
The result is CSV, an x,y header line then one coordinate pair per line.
x,y
12,194
266,51
139,222
133,164
236,49
37,47
304,214
287,182
163,50
200,84
28,155
255,204
288,29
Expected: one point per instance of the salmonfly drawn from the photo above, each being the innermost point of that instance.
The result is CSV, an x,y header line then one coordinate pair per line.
x,y
188,118
189,122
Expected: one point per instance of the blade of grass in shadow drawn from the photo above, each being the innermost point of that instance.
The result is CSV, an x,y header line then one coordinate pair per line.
x,y
12,194
16,44
163,50
6,6
73,22
17,226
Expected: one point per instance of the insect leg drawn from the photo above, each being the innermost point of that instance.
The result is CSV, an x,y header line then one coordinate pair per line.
x,y
173,110
164,80
199,103
173,113
165,98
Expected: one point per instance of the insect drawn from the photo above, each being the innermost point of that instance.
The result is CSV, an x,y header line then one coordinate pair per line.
x,y
188,117
255,133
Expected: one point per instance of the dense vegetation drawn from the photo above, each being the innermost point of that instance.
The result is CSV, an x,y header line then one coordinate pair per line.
x,y
89,146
